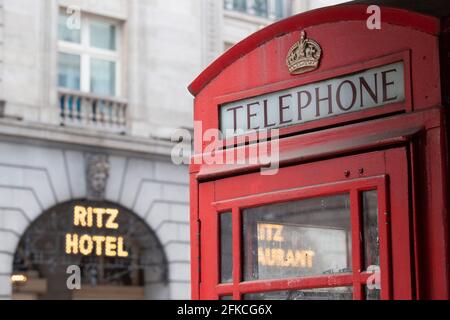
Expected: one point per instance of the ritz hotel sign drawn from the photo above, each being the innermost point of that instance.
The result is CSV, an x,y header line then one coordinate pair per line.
x,y
99,245
370,88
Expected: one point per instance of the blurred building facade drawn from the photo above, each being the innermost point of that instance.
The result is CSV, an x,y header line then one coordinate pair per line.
x,y
90,94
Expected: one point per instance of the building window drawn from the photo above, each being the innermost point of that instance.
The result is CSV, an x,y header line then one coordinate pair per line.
x,y
69,66
89,68
260,8
89,57
271,9
237,5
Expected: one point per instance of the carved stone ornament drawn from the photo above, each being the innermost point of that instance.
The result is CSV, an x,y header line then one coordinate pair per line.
x,y
97,174
304,56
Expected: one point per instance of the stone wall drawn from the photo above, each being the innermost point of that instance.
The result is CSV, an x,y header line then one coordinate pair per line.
x,y
35,176
161,55
1,55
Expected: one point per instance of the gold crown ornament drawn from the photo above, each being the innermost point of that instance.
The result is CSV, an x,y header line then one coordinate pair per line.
x,y
304,56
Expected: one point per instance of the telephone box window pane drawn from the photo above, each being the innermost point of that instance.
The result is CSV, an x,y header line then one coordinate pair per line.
x,y
372,293
226,298
295,239
226,248
337,293
370,229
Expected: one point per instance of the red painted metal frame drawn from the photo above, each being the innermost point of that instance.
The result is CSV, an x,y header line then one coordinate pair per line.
x,y
405,106
426,123
393,16
327,143
195,237
357,279
445,84
235,201
418,173
264,70
421,131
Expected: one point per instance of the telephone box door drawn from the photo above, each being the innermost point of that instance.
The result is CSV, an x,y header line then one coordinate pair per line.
x,y
331,229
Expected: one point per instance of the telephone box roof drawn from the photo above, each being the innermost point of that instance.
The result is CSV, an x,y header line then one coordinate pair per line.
x,y
423,15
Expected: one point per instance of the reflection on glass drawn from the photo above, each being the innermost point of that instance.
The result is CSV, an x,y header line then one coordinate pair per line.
x,y
370,229
226,298
103,77
338,293
68,30
372,294
103,35
226,248
300,238
69,71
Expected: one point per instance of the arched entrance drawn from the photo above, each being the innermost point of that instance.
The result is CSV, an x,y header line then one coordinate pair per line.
x,y
118,255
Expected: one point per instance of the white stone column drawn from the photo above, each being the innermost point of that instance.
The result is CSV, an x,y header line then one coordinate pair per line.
x,y
135,46
48,21
1,52
212,30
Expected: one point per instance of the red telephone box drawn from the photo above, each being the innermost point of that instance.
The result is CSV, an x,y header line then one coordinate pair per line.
x,y
358,208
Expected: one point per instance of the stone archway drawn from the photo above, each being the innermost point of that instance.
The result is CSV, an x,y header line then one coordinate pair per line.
x,y
119,256
47,175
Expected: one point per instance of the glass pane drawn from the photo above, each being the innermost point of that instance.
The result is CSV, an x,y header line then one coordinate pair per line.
x,y
279,9
300,238
69,71
338,293
370,229
372,294
238,5
260,8
226,298
103,77
226,248
69,28
103,35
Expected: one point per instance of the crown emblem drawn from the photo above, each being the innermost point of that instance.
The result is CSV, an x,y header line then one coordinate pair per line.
x,y
304,56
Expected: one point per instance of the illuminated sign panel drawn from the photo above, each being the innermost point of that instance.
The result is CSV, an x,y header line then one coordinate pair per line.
x,y
99,245
284,248
351,93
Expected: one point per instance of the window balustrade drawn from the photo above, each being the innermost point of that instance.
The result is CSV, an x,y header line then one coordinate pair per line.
x,y
269,9
89,110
